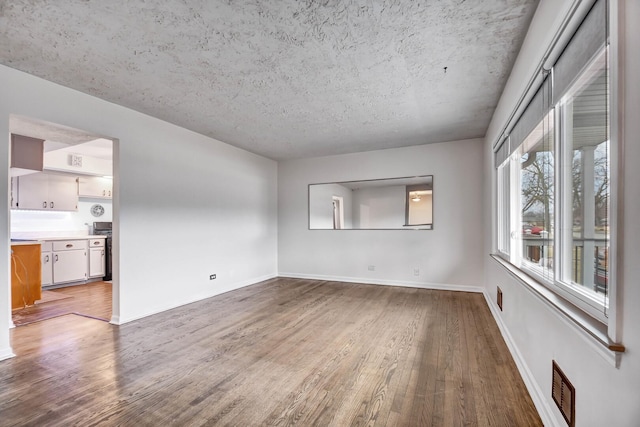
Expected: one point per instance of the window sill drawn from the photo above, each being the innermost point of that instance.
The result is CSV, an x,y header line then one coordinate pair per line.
x,y
593,330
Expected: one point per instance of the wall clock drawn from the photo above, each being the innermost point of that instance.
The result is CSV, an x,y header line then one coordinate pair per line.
x,y
97,210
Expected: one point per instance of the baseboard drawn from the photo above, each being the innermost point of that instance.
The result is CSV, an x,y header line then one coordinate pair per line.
x,y
117,320
405,284
6,353
538,397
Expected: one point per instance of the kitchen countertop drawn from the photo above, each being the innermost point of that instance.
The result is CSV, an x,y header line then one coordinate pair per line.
x,y
34,240
25,242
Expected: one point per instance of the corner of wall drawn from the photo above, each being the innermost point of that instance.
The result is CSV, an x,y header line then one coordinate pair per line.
x,y
6,353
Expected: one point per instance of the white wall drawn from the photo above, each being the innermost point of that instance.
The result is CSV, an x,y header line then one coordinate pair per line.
x,y
447,256
605,395
59,161
321,205
379,207
188,205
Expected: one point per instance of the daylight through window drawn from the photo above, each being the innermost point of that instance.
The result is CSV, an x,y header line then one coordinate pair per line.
x,y
554,175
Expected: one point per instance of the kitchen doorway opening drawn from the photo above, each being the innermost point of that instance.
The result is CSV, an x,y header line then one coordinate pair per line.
x,y
64,204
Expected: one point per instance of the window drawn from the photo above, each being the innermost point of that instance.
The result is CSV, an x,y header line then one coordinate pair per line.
x,y
534,161
586,178
553,175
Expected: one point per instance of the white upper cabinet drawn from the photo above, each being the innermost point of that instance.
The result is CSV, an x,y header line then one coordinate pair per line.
x,y
63,193
40,191
95,186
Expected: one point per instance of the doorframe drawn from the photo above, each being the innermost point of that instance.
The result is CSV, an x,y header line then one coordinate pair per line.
x,y
115,203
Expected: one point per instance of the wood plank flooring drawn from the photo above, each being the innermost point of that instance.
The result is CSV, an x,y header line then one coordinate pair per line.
x,y
90,300
282,352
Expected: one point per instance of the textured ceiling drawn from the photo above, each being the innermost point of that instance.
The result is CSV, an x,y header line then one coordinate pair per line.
x,y
284,79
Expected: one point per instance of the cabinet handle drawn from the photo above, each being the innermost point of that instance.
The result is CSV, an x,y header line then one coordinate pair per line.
x,y
109,193
51,204
96,242
104,192
56,258
44,205
69,245
46,259
102,252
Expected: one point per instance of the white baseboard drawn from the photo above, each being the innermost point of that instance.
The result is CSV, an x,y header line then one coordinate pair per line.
x,y
370,281
118,320
538,397
6,353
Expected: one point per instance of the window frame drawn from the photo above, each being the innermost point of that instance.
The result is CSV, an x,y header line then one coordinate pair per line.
x,y
598,308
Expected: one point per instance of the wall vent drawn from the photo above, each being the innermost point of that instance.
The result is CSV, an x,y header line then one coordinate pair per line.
x,y
499,298
564,395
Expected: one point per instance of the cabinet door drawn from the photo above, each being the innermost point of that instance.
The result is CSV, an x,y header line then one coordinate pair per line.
x,y
47,268
69,266
33,191
14,192
95,186
63,193
25,275
96,262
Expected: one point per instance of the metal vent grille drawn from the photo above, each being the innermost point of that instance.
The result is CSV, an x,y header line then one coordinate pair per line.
x,y
564,394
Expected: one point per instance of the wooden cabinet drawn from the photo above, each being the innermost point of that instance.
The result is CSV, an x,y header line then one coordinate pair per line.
x,y
47,263
96,258
25,275
95,186
41,191
69,261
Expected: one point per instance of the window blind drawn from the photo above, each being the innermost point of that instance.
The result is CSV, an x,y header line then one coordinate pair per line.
x,y
587,42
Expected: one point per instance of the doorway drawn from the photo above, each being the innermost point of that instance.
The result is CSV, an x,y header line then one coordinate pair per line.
x,y
73,262
338,212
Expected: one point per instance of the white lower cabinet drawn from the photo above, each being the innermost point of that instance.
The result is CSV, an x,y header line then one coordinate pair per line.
x,y
66,261
47,263
96,258
69,261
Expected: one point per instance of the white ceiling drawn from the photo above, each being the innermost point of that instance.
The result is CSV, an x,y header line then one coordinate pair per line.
x,y
283,79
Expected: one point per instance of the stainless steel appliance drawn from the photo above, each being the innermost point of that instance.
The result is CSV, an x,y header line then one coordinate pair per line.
x,y
105,229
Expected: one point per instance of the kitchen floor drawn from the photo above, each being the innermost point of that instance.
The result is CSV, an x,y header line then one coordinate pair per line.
x,y
90,300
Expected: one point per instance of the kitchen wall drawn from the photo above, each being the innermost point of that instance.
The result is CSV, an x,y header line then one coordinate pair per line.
x,y
27,224
446,257
185,206
605,395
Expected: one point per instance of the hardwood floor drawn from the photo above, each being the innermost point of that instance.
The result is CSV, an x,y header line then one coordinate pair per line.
x,y
90,300
282,352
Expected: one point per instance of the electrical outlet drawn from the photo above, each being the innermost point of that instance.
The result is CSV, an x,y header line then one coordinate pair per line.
x,y
416,271
212,276
372,268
